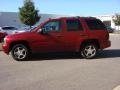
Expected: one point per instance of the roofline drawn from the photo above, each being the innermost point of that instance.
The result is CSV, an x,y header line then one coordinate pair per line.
x,y
72,17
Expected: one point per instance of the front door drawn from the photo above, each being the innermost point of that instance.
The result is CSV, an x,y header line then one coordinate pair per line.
x,y
49,39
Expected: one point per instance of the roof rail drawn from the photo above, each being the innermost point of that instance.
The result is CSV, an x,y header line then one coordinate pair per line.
x,y
78,16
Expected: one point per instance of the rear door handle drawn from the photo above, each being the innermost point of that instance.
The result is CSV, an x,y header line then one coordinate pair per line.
x,y
59,36
83,35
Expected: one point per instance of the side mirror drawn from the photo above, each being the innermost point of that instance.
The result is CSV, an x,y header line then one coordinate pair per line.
x,y
39,30
43,31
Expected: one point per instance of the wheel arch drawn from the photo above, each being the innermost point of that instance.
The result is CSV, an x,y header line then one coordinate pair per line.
x,y
20,42
89,41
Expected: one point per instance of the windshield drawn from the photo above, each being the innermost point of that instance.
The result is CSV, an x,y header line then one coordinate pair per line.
x,y
34,27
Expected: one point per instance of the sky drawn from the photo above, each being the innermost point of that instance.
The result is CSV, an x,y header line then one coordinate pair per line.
x,y
67,7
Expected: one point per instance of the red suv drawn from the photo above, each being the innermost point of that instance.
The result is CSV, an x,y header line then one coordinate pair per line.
x,y
85,35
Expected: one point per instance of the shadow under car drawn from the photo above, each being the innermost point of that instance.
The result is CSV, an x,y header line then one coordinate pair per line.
x,y
110,53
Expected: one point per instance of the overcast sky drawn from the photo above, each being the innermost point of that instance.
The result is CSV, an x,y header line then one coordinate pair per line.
x,y
67,7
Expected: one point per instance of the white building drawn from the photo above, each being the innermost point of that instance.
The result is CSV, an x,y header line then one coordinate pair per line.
x,y
108,20
12,19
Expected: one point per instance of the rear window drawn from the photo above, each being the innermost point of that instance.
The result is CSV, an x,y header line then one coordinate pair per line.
x,y
74,25
95,24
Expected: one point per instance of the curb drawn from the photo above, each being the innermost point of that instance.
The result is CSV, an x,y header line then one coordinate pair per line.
x,y
117,88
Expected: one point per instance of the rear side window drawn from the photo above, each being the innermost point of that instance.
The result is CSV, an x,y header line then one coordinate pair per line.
x,y
95,24
74,25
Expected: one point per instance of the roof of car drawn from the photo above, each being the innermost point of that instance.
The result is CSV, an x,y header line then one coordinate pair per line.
x,y
75,17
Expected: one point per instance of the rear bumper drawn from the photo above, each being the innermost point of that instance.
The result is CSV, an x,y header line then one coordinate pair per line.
x,y
106,44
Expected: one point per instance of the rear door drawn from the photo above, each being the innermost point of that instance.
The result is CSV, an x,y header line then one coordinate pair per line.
x,y
74,33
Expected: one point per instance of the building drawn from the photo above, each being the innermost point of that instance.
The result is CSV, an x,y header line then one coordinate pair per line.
x,y
12,19
108,21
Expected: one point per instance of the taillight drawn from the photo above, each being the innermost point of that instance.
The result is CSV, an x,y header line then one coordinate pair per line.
x,y
107,36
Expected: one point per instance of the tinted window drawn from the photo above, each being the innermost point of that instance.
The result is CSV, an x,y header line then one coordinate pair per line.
x,y
95,24
9,28
52,26
74,25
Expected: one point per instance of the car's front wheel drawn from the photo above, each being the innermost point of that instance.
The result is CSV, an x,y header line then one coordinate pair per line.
x,y
89,51
19,52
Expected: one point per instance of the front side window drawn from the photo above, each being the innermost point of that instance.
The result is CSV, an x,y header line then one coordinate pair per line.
x,y
95,24
52,26
74,25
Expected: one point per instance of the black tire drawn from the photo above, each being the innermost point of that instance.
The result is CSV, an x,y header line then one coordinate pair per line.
x,y
89,51
19,52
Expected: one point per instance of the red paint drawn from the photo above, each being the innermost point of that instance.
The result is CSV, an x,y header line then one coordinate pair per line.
x,y
59,41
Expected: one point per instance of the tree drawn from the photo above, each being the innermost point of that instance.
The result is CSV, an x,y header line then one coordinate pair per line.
x,y
116,19
28,14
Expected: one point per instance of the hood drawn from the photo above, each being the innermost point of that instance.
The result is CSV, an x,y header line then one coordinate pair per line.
x,y
24,35
20,31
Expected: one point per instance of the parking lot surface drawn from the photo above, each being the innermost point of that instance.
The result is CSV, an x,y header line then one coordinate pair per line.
x,y
63,71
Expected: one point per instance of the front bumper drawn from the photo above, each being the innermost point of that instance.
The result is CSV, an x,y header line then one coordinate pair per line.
x,y
5,48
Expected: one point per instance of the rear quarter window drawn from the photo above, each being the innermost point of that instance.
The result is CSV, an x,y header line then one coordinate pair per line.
x,y
95,24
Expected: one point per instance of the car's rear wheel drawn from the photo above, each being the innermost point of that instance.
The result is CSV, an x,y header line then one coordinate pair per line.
x,y
89,51
19,52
